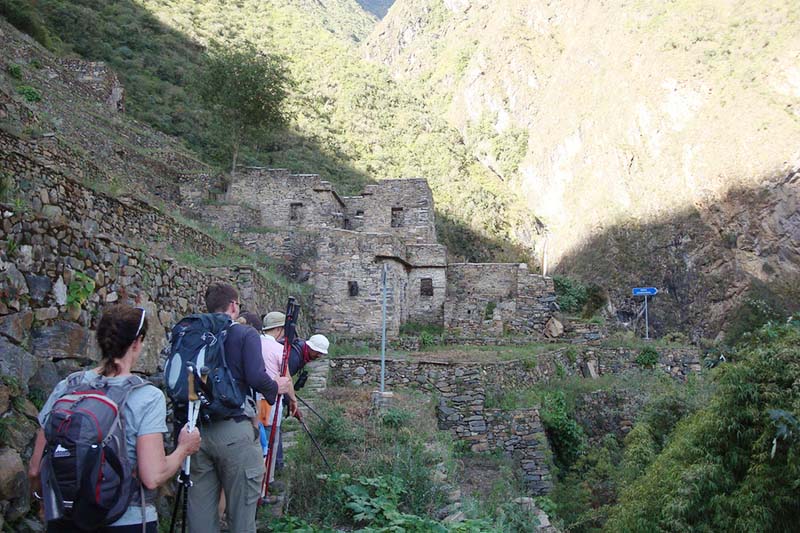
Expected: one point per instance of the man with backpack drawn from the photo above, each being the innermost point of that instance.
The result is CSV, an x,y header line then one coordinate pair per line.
x,y
230,457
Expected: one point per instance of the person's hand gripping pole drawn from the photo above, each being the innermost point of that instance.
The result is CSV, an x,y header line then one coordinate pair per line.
x,y
289,330
194,410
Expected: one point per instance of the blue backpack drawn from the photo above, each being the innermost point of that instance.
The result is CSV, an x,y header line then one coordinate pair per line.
x,y
200,340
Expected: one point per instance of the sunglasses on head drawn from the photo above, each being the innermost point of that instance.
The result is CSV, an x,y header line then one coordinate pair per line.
x,y
141,323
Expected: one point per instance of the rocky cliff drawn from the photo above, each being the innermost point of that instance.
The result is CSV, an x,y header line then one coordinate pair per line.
x,y
615,116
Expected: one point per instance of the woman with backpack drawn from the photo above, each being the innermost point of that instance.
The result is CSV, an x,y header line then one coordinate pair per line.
x,y
90,480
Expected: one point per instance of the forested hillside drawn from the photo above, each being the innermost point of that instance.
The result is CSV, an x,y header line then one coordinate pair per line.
x,y
351,122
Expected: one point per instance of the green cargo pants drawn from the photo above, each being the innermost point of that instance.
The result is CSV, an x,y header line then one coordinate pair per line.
x,y
229,458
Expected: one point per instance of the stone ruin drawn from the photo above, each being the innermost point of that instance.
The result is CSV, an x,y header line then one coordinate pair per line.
x,y
342,244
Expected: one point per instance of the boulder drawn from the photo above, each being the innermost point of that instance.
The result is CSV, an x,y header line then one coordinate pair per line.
x,y
12,474
38,287
45,378
64,340
553,328
589,369
16,326
20,431
17,363
60,291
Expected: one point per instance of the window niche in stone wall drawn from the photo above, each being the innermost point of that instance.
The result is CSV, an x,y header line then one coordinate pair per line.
x,y
352,288
295,211
426,287
397,217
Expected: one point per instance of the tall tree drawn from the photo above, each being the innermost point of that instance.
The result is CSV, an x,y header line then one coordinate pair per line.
x,y
246,90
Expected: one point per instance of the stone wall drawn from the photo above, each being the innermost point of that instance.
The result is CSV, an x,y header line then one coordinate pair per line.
x,y
46,325
347,264
45,259
400,207
102,82
495,299
461,409
60,197
463,388
285,200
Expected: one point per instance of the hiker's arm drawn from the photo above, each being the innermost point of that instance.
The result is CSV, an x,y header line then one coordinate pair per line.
x,y
35,466
155,468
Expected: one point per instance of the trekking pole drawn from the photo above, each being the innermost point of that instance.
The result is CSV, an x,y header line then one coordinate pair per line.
x,y
184,477
302,423
313,410
292,309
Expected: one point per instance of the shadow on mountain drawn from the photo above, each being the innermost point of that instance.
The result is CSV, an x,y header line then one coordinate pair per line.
x,y
379,8
464,244
716,265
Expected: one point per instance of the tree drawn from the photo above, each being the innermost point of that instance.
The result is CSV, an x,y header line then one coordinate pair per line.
x,y
245,89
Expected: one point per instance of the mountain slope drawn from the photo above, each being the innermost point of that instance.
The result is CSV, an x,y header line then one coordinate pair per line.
x,y
660,103
621,118
352,123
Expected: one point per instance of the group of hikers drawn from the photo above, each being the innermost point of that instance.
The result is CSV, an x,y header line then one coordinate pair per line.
x,y
99,455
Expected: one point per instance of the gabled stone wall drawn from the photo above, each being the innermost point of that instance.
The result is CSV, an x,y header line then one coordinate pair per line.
x,y
412,203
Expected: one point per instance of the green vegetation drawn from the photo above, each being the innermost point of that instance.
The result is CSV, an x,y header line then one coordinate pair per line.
x,y
571,294
80,288
384,475
732,465
648,357
23,15
31,94
764,303
14,70
244,89
565,435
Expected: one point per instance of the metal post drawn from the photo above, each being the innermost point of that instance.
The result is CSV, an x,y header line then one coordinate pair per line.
x,y
383,328
646,323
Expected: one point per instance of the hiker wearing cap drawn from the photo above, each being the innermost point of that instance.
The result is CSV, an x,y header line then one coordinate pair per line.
x,y
272,351
303,352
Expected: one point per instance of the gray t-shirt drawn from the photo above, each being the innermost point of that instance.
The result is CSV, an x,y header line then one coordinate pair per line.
x,y
145,413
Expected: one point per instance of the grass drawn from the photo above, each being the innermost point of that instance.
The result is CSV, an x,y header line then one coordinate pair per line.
x,y
403,443
573,387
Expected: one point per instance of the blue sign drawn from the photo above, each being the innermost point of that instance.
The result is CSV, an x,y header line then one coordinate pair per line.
x,y
645,291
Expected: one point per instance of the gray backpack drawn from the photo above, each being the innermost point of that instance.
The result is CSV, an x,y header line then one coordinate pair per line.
x,y
87,477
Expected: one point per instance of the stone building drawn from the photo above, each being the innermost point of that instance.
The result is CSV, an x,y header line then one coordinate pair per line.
x,y
342,244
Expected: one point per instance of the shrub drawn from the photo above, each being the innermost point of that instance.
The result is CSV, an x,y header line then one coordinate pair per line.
x,y
718,471
648,357
14,70
566,436
571,295
395,418
79,289
31,94
22,15
596,299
